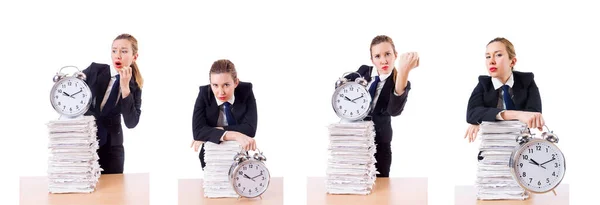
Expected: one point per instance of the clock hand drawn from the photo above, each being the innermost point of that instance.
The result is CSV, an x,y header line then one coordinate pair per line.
x,y
77,92
548,161
245,175
257,176
348,99
531,161
65,94
357,98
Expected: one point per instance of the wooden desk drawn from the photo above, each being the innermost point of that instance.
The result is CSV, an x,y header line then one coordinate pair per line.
x,y
111,189
411,191
467,195
191,192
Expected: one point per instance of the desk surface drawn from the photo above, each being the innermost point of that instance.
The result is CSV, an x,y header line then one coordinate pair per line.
x,y
467,195
191,192
111,189
385,191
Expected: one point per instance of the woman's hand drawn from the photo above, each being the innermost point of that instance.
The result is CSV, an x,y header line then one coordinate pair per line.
x,y
125,77
248,143
472,132
532,119
408,61
196,144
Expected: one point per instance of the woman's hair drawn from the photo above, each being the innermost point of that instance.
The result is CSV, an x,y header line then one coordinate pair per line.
x,y
384,39
135,70
224,66
510,49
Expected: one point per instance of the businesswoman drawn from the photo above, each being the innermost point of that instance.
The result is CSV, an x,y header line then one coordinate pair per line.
x,y
225,110
116,91
389,87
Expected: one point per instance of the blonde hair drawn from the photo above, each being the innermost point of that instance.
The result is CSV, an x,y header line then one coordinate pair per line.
x,y
135,70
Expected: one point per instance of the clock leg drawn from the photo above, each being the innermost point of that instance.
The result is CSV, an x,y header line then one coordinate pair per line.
x,y
554,191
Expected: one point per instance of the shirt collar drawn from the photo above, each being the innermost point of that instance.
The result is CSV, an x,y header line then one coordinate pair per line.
x,y
382,77
113,71
219,102
497,84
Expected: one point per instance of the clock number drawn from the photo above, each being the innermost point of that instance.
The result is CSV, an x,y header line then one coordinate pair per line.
x,y
82,102
240,172
261,184
364,100
249,190
83,95
340,107
553,156
56,96
345,111
362,107
521,165
357,111
530,150
524,174
539,183
64,86
546,149
338,100
245,168
59,91
553,174
71,109
70,83
345,91
351,113
351,88
538,148
244,189
525,157
250,166
548,180
237,178
530,179
64,107
555,165
341,95
58,103
263,178
256,189
239,184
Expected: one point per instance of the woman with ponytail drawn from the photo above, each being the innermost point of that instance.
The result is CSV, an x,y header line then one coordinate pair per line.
x,y
389,86
116,90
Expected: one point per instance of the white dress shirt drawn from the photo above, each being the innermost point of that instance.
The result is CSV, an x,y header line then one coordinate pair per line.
x,y
382,79
498,85
222,120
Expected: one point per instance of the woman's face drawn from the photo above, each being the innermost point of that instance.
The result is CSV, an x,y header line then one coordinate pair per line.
x,y
497,61
383,57
122,54
222,85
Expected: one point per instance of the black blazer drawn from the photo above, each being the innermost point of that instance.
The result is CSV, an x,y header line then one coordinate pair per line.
x,y
206,114
98,77
484,99
388,105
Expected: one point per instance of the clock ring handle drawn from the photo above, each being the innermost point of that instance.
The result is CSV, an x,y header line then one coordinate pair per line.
x,y
77,74
360,79
258,155
549,135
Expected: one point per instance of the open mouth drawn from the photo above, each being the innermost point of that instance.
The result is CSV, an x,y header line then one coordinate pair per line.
x,y
118,64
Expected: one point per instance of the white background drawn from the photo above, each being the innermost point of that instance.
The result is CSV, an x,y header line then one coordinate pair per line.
x,y
293,52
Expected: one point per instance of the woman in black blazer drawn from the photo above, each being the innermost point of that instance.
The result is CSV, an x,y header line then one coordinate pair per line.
x,y
225,110
390,89
490,100
116,90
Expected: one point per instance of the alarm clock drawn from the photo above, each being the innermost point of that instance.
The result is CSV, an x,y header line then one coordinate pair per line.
x,y
351,100
538,165
249,176
70,96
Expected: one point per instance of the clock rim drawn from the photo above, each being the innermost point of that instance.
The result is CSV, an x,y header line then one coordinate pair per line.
x,y
237,166
519,149
361,116
86,88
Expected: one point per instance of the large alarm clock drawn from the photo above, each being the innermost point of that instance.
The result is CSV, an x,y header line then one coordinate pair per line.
x,y
249,176
70,96
351,100
538,165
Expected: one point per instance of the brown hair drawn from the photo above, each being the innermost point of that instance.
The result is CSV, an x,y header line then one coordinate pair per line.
x,y
384,39
135,70
510,49
224,66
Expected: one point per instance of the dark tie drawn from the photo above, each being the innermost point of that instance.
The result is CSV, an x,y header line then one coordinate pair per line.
x,y
373,87
506,97
108,106
228,115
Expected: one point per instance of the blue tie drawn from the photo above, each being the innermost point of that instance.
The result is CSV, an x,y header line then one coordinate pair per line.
x,y
373,87
506,97
228,115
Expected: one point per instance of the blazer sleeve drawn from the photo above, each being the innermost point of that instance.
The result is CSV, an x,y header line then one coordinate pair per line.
x,y
397,102
201,131
248,124
131,106
90,79
476,111
534,101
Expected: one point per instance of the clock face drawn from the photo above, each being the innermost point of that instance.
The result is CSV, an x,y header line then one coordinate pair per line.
x,y
351,101
70,96
251,179
539,166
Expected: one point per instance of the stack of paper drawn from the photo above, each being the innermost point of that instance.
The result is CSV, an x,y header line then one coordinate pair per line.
x,y
494,179
218,158
73,163
351,166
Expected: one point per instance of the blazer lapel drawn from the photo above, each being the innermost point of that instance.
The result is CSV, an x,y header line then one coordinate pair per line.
x,y
490,97
519,93
212,113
